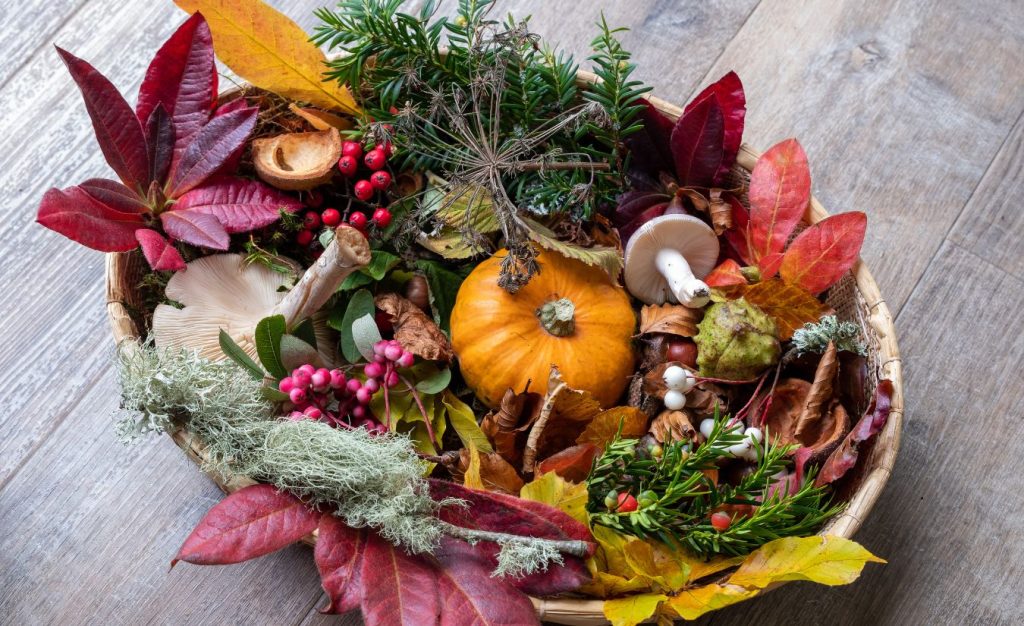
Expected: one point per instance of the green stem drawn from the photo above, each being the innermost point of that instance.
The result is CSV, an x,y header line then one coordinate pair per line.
x,y
558,317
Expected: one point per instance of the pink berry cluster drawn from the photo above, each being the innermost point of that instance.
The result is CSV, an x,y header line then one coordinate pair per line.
x,y
328,396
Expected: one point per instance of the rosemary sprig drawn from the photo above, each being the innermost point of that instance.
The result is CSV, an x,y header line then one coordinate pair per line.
x,y
677,496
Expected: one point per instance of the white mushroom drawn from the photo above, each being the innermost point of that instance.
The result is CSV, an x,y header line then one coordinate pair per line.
x,y
667,257
222,291
297,161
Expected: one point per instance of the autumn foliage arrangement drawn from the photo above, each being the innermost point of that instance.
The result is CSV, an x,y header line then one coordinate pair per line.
x,y
478,331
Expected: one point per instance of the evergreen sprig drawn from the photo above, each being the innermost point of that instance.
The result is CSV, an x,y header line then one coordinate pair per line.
x,y
677,496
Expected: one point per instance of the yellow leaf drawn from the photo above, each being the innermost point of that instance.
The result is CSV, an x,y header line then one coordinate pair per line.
x,y
828,560
321,120
264,47
464,422
789,305
607,258
657,564
700,568
632,610
601,430
692,603
552,489
611,552
472,478
605,585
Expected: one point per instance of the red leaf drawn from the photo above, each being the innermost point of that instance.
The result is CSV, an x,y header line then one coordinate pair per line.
x,y
77,215
159,252
697,143
508,514
727,274
768,265
397,589
844,458
572,463
338,555
198,229
657,210
728,91
251,522
183,78
470,596
780,188
649,147
114,195
239,204
736,237
820,255
215,145
160,142
235,105
118,131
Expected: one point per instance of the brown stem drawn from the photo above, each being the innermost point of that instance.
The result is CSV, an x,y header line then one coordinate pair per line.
x,y
423,411
566,546
540,166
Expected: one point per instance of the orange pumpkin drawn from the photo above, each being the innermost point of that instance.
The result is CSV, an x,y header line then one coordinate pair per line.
x,y
570,315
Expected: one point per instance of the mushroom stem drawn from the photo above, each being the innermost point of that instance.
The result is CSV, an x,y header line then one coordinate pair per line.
x,y
687,288
348,252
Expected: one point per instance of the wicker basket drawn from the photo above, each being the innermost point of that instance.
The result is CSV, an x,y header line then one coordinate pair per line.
x,y
855,298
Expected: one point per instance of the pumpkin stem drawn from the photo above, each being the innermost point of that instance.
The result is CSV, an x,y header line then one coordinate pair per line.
x,y
558,317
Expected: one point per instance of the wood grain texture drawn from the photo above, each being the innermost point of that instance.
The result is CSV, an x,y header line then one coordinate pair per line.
x,y
902,106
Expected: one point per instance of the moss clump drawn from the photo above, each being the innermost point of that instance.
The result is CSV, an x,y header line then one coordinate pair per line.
x,y
737,341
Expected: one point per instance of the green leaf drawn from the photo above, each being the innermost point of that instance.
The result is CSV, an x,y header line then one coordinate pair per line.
x,y
464,422
434,382
443,285
607,258
268,344
296,352
239,356
364,334
306,332
381,262
461,207
360,305
274,395
326,237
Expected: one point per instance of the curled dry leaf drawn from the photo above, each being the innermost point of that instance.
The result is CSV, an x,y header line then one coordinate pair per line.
x,y
820,395
414,329
717,207
508,427
845,456
297,161
820,436
671,319
320,120
495,473
566,412
673,426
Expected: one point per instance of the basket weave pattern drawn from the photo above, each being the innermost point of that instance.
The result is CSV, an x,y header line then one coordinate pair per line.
x,y
855,298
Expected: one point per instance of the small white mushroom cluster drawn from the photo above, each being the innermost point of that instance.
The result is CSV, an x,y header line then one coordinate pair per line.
x,y
746,449
679,381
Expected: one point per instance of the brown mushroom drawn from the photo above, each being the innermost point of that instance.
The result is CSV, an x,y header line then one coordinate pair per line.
x,y
222,291
297,161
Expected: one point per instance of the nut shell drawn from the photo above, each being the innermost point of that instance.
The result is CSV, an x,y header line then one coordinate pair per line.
x,y
297,161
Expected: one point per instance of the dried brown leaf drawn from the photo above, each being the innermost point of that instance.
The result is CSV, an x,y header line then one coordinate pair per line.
x,y
720,212
602,429
566,412
320,120
672,319
508,427
820,395
413,329
789,305
673,426
496,474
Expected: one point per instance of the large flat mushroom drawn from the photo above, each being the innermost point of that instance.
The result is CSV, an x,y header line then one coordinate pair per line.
x,y
222,291
667,257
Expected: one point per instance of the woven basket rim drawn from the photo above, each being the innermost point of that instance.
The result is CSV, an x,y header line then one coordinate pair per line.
x,y
589,612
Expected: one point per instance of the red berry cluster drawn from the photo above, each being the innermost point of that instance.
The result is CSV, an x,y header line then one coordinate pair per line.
x,y
327,396
366,188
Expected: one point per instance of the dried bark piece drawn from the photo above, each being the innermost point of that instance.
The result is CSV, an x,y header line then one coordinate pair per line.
x,y
413,329
672,426
819,397
671,319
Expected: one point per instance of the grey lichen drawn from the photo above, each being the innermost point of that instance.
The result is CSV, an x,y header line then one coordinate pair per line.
x,y
518,559
815,337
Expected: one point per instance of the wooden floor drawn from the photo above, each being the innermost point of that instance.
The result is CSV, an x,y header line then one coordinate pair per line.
x,y
909,110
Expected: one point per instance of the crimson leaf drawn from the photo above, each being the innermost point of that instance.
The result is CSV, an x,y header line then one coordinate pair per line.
x,y
118,131
216,144
198,229
470,595
251,522
697,143
397,589
338,555
728,92
780,188
77,215
649,147
844,458
114,195
160,141
159,252
183,78
239,204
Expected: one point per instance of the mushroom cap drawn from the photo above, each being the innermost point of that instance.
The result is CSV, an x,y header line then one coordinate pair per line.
x,y
297,161
690,236
219,291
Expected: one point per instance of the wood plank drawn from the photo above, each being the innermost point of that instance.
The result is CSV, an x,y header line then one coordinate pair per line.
x,y
28,27
900,105
992,223
946,521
